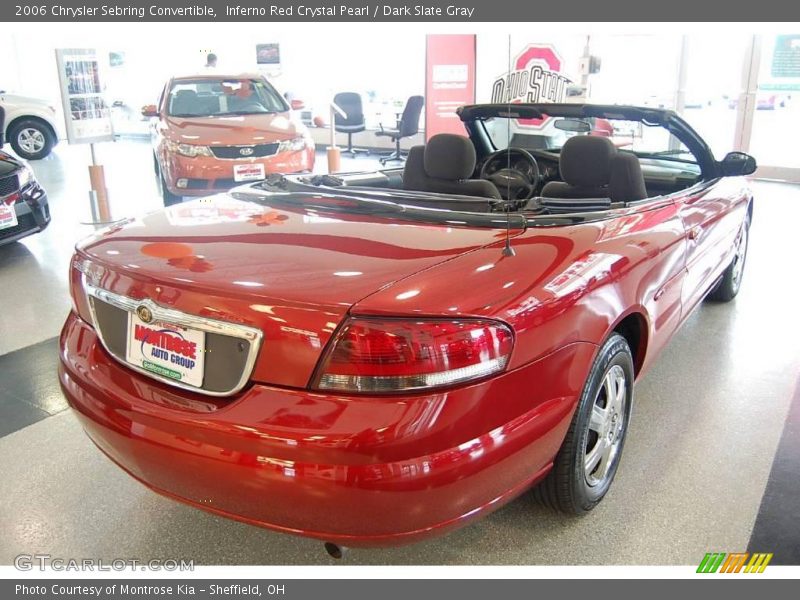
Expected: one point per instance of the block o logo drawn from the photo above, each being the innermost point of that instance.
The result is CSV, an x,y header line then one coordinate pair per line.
x,y
536,77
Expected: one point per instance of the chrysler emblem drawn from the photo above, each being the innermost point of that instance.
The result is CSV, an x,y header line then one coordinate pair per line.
x,y
245,151
144,313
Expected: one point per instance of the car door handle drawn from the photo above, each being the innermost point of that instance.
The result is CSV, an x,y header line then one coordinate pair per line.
x,y
694,232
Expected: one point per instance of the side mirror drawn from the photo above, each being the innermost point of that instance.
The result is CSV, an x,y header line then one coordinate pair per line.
x,y
737,163
150,110
297,104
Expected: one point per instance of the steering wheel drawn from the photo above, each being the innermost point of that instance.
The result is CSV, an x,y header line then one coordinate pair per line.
x,y
518,181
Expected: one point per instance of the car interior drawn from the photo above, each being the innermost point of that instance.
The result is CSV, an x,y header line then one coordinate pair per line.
x,y
588,173
203,99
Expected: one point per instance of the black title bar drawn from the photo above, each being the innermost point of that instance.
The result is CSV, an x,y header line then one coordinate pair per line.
x,y
394,11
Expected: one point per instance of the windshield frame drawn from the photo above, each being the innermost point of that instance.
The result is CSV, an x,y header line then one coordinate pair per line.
x,y
669,120
665,155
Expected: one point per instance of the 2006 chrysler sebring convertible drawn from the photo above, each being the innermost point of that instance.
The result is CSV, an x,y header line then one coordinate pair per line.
x,y
374,358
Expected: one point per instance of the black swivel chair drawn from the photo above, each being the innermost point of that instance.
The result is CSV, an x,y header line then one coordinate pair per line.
x,y
407,125
350,103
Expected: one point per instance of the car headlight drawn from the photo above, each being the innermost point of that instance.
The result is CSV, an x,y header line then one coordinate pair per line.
x,y
189,150
298,143
25,176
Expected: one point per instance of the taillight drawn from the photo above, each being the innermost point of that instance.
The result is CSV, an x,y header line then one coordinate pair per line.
x,y
80,302
394,355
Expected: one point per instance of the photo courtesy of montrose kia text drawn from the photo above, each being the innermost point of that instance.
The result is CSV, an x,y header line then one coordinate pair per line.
x,y
343,299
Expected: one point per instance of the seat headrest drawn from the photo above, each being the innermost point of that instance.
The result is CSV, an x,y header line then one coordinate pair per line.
x,y
585,161
627,181
449,156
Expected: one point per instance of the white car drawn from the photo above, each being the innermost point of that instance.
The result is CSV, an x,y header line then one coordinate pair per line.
x,y
29,124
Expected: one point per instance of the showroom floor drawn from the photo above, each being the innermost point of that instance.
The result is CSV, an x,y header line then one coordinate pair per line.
x,y
710,463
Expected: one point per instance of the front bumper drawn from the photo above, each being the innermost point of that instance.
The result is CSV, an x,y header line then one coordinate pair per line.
x,y
33,215
207,174
356,471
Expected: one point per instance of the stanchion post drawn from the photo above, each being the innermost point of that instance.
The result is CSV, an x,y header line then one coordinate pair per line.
x,y
99,194
334,154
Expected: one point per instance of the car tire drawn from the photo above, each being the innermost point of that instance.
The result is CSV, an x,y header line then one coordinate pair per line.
x,y
587,461
167,197
728,287
31,139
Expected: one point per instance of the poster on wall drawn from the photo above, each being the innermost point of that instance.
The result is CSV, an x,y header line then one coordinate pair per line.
x,y
786,56
268,54
449,81
535,75
87,116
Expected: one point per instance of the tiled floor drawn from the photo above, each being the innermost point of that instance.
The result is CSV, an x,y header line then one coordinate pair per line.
x,y
30,389
706,427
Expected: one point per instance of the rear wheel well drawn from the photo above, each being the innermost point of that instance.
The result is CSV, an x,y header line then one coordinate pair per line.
x,y
634,329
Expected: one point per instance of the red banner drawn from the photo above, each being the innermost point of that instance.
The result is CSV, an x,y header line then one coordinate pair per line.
x,y
449,81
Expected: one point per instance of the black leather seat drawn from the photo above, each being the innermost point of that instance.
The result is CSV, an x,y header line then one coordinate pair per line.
x,y
445,166
185,103
591,167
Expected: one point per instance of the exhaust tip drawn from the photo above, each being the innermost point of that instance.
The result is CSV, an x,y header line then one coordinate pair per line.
x,y
335,550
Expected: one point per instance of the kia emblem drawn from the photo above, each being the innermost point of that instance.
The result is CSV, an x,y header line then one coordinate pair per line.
x,y
245,151
144,313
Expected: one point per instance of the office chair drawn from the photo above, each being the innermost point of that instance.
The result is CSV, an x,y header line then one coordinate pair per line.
x,y
350,103
407,125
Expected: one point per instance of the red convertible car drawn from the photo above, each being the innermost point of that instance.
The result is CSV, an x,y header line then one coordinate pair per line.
x,y
373,358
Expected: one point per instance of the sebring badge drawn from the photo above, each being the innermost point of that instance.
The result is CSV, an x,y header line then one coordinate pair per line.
x,y
144,313
245,151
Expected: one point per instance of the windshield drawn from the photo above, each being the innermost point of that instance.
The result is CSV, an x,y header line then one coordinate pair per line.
x,y
215,98
550,133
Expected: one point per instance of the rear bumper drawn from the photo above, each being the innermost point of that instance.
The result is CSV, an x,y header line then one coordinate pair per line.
x,y
356,471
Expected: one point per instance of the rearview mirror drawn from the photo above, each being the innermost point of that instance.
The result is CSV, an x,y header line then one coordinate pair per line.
x,y
149,110
737,163
573,125
297,104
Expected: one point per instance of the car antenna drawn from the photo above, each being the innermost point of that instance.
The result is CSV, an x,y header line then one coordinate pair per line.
x,y
507,249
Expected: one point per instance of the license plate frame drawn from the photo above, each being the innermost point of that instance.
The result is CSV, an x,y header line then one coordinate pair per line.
x,y
172,352
8,216
249,172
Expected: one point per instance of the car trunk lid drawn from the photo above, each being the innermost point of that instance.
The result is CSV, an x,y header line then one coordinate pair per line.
x,y
291,272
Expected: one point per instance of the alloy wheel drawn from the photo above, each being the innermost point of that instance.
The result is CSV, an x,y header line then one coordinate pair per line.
x,y
31,140
739,258
606,427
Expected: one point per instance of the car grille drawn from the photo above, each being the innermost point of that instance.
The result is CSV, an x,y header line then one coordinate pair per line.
x,y
8,185
258,151
231,349
25,222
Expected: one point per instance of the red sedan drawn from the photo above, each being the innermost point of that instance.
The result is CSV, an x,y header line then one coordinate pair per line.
x,y
211,132
371,359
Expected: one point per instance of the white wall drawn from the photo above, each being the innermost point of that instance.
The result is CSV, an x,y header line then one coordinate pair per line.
x,y
313,67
